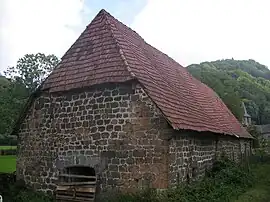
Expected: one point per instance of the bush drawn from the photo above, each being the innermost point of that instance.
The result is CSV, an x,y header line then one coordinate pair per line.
x,y
13,191
146,195
224,181
30,196
8,152
6,179
261,156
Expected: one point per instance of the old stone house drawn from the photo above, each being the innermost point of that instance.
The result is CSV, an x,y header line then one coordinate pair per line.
x,y
121,110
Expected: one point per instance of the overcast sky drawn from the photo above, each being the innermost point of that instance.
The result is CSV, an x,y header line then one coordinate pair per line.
x,y
190,31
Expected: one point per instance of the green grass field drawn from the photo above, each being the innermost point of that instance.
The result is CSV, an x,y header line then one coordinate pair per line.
x,y
7,147
260,192
7,164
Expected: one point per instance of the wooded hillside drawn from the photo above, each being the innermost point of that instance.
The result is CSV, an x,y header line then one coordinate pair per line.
x,y
237,80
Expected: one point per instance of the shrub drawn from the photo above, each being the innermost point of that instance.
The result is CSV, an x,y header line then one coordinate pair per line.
x,y
8,152
146,195
225,180
30,196
18,192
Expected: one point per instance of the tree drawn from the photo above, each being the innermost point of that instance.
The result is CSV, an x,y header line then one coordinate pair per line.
x,y
32,69
13,95
236,81
24,78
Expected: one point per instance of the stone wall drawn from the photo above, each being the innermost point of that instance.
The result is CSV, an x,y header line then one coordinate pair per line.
x,y
189,155
114,128
117,130
193,153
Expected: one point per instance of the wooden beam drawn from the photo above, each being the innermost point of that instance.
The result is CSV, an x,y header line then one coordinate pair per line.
x,y
78,176
77,189
76,183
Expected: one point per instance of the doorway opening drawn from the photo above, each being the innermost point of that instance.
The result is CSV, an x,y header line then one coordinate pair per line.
x,y
76,183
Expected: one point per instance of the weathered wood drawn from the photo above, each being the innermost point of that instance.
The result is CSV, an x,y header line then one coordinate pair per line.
x,y
78,176
76,183
76,189
71,198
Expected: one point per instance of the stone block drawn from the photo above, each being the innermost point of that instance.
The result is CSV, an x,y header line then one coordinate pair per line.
x,y
139,153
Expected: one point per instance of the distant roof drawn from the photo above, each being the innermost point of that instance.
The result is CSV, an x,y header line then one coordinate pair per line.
x,y
263,128
109,51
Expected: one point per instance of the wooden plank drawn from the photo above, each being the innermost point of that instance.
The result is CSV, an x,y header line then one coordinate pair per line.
x,y
76,183
77,189
71,198
85,194
78,176
77,196
80,195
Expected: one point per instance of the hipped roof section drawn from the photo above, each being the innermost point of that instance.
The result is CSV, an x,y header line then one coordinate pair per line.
x,y
109,51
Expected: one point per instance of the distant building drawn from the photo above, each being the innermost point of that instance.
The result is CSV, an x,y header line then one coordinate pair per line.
x,y
246,118
264,130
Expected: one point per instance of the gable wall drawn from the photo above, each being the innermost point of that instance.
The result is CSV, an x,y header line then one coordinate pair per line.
x,y
114,128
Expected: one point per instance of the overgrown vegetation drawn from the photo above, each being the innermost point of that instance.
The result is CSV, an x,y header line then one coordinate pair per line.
x,y
226,181
17,192
260,192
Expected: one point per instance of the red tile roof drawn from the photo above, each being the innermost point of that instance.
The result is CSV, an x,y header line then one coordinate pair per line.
x,y
109,51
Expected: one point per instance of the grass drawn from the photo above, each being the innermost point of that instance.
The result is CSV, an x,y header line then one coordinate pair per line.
x,y
7,164
7,147
260,192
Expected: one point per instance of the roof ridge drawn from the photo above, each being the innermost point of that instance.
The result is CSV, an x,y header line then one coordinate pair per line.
x,y
121,52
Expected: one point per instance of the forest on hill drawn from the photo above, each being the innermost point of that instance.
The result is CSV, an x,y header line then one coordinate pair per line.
x,y
238,80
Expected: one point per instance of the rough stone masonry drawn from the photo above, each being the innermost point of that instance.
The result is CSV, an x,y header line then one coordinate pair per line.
x,y
117,130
